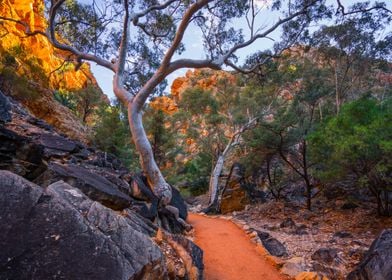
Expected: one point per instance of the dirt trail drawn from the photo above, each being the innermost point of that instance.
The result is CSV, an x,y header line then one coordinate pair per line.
x,y
228,252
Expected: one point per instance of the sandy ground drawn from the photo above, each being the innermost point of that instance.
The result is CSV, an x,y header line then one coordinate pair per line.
x,y
228,252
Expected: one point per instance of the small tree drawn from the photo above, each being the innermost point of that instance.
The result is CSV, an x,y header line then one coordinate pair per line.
x,y
111,134
295,112
215,118
358,142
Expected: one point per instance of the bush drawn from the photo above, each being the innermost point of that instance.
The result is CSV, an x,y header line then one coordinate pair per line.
x,y
358,142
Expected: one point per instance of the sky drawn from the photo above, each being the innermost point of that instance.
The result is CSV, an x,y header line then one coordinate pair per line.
x,y
194,48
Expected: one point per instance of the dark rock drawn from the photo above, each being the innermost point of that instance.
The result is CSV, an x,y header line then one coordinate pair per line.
x,y
83,154
254,194
40,123
195,253
263,235
178,202
300,230
330,271
169,221
93,185
56,145
61,234
325,255
377,263
342,234
5,109
287,223
349,205
106,160
19,155
147,202
274,247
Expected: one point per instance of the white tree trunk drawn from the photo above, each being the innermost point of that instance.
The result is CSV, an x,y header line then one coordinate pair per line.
x,y
214,179
160,188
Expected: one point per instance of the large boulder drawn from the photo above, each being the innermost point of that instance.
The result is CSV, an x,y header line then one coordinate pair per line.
x,y
234,197
272,245
96,187
178,202
59,233
377,263
275,247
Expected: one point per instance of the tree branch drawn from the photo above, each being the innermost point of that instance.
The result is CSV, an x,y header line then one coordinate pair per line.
x,y
51,35
181,30
224,58
118,80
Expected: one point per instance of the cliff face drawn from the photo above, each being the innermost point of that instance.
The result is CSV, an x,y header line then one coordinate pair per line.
x,y
203,78
38,48
41,67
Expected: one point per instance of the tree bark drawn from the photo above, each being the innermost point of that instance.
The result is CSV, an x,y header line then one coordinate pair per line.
x,y
160,188
214,179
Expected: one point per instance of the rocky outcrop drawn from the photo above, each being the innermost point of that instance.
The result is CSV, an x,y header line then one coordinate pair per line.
x,y
36,59
45,107
38,48
377,263
60,233
93,185
78,218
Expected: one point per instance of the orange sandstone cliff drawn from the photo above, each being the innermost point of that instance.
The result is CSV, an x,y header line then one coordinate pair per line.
x,y
54,66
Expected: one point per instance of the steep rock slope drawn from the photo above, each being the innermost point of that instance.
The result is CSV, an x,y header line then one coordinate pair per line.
x,y
80,219
43,68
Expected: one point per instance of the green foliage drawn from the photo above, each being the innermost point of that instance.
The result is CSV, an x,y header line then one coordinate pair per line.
x,y
17,86
358,142
162,138
19,75
30,67
85,103
64,98
194,175
112,135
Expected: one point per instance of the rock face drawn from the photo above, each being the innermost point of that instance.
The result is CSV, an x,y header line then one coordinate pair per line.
x,y
377,263
234,197
45,73
93,185
60,233
66,223
5,108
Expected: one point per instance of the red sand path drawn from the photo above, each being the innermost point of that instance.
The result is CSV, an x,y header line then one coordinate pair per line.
x,y
228,252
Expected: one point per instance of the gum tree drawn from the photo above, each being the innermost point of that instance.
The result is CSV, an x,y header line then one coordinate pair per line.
x,y
138,41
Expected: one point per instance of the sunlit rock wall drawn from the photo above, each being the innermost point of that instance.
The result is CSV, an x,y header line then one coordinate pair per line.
x,y
57,71
38,47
